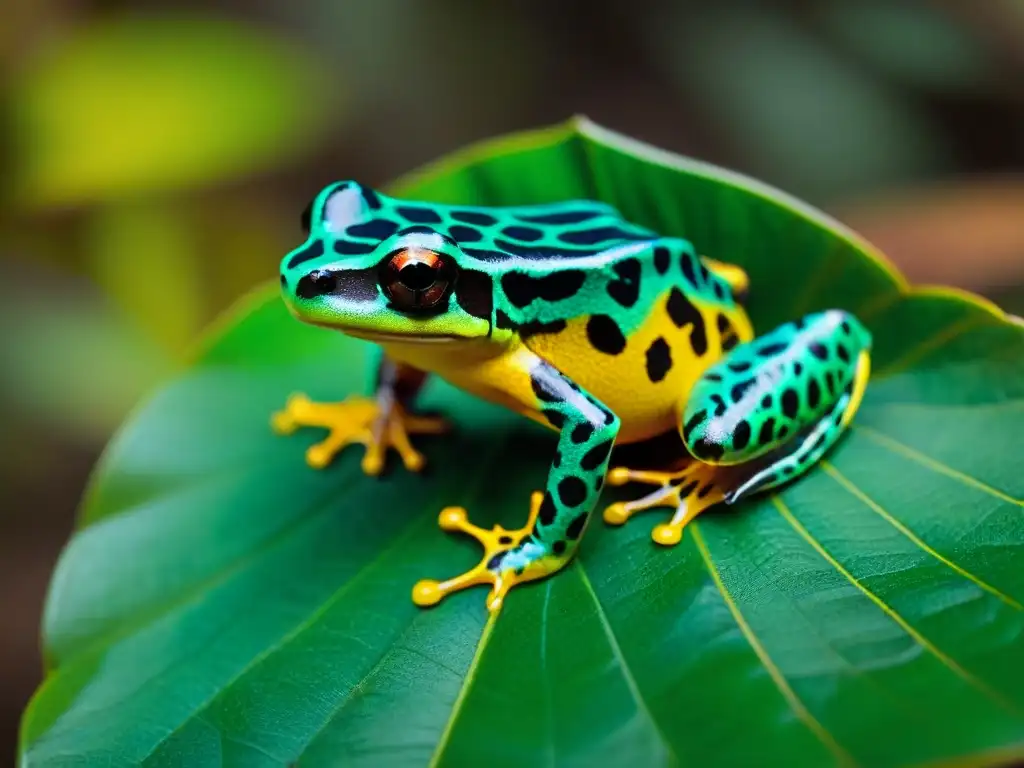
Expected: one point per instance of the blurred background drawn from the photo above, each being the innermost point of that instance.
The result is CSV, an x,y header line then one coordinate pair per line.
x,y
156,157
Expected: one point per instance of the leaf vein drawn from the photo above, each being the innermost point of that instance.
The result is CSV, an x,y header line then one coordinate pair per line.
x,y
627,673
874,506
933,464
889,611
798,707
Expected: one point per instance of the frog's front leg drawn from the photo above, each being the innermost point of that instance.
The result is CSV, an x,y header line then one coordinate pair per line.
x,y
381,422
762,416
558,517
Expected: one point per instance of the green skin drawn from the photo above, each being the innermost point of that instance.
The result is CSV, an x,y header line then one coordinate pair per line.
x,y
775,403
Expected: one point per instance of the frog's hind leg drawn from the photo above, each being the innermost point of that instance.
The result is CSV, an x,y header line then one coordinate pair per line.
x,y
759,418
689,490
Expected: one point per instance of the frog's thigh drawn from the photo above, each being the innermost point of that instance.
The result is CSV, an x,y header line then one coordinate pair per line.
x,y
780,401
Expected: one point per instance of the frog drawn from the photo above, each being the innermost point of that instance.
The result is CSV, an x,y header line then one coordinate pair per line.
x,y
601,330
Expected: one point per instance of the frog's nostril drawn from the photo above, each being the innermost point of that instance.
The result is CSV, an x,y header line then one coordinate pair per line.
x,y
316,283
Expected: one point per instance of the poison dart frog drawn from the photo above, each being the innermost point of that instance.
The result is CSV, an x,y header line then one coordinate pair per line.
x,y
604,331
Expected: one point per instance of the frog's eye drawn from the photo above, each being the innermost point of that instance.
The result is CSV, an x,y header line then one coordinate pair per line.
x,y
416,279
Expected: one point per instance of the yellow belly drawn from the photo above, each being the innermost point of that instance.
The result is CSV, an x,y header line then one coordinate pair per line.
x,y
622,382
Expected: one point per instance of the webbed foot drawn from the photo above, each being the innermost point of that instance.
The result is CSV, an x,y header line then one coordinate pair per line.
x,y
510,558
358,420
691,490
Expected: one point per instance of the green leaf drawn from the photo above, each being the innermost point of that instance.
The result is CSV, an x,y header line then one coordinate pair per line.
x,y
222,603
132,105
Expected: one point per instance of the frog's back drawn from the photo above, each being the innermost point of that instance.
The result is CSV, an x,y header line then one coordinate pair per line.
x,y
632,317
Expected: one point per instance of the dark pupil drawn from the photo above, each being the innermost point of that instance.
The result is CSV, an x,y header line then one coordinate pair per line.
x,y
417,276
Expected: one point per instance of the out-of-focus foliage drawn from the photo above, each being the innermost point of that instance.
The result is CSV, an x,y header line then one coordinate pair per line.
x,y
137,105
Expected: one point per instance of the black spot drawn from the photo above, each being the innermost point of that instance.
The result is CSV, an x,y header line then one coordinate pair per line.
x,y
712,377
352,247
521,289
473,217
372,201
543,391
767,431
719,290
798,368
474,293
557,461
723,323
538,251
682,311
703,449
419,215
503,321
558,547
790,403
314,251
555,418
693,423
818,349
284,281
729,342
465,234
783,431
527,234
766,401
597,235
605,335
505,540
572,491
546,513
576,526
534,327
817,443
568,217
593,458
771,349
705,490
843,353
599,483
484,254
626,289
609,417
739,367
662,259
686,262
705,276
741,435
719,404
376,229
813,394
306,219
737,392
659,360
582,432
830,382
845,325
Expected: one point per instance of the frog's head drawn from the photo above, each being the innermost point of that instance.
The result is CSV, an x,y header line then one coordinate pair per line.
x,y
367,270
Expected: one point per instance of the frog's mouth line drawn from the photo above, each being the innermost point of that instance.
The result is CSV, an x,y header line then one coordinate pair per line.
x,y
407,338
